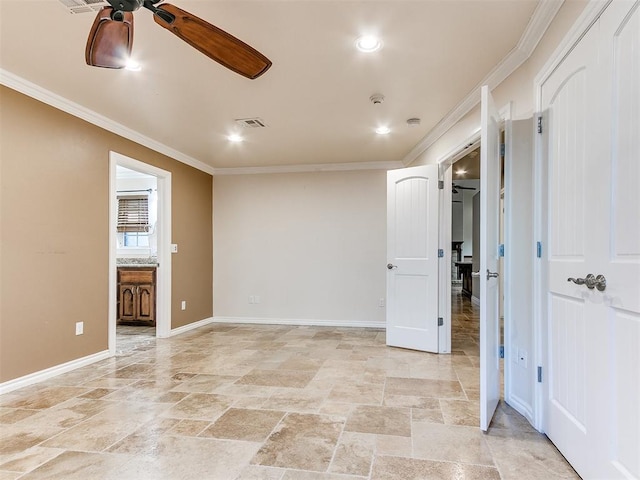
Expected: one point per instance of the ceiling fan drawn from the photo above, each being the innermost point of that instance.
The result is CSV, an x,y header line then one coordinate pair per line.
x,y
455,188
111,37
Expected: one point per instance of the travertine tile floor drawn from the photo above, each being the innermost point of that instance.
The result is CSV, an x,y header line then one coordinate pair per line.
x,y
270,402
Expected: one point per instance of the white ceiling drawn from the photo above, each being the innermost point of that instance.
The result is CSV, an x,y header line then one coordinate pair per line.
x,y
315,97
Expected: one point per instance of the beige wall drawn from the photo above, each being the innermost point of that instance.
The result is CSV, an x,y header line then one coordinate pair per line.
x,y
312,246
517,88
54,206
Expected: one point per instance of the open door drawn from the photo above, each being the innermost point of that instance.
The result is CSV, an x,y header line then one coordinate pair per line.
x,y
489,240
412,255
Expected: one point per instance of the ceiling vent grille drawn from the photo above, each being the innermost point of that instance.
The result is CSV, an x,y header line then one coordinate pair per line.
x,y
251,122
84,6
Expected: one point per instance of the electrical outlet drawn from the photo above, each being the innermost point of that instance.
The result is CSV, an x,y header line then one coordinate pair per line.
x,y
79,328
174,248
184,305
381,302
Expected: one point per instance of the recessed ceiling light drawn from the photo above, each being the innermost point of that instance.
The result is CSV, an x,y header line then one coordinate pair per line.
x,y
235,138
383,130
368,43
133,66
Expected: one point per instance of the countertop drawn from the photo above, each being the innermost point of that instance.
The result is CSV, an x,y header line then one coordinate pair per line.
x,y
136,262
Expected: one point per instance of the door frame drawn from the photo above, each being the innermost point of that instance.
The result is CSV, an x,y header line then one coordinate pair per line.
x,y
590,14
163,274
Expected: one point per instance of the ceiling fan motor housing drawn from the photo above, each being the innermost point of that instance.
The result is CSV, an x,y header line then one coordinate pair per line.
x,y
126,5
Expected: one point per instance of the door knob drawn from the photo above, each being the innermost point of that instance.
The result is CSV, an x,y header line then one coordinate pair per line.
x,y
492,274
391,266
591,281
601,283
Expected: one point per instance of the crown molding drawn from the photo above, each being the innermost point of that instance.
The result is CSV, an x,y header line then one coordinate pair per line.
x,y
542,17
32,90
318,167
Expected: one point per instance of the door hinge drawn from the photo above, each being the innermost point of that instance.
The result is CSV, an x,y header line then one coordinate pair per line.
x,y
501,250
440,253
539,123
502,149
539,249
501,351
440,321
440,184
539,374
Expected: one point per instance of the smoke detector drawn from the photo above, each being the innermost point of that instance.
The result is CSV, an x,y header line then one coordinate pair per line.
x,y
413,122
376,98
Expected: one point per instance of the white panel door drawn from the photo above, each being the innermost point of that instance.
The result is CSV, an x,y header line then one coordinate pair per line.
x,y
489,260
592,123
412,253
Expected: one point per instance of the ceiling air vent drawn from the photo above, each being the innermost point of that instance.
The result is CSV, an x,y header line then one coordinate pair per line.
x,y
251,122
84,6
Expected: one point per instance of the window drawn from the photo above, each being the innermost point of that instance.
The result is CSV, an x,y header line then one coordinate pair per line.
x,y
133,214
133,221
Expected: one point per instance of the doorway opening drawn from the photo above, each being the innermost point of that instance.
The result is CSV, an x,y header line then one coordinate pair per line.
x,y
139,253
136,257
465,253
471,254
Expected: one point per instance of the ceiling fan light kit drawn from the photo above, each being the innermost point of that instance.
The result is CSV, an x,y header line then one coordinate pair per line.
x,y
111,38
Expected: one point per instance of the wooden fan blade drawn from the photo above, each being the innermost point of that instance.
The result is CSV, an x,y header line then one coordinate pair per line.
x,y
215,43
110,41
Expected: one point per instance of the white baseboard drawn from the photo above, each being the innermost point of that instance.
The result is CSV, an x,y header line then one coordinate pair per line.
x,y
475,300
36,377
301,321
190,326
520,406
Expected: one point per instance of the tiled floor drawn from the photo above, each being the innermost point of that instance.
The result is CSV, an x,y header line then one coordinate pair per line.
x,y
271,402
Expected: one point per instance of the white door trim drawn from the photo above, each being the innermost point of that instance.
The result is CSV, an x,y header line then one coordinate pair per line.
x,y
163,277
591,13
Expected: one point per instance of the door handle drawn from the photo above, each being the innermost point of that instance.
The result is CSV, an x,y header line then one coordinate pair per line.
x,y
391,266
591,281
475,274
492,274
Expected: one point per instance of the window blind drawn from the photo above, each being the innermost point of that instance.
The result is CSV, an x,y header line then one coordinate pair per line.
x,y
133,213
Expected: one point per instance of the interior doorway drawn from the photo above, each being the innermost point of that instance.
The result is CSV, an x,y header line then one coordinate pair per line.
x,y
465,252
462,184
136,255
142,248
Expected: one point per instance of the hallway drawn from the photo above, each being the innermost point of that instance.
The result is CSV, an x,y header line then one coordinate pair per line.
x,y
271,402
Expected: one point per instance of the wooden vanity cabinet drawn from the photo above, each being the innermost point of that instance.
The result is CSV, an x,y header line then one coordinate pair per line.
x,y
137,295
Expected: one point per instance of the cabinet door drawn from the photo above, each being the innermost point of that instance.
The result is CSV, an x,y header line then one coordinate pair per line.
x,y
146,302
127,302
